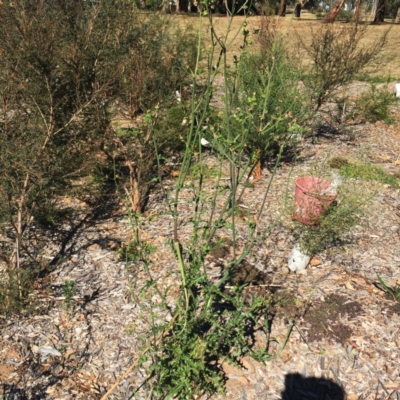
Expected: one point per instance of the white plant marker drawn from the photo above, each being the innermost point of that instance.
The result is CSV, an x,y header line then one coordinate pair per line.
x,y
298,261
397,90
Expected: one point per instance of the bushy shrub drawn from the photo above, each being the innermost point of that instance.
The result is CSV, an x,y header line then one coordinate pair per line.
x,y
334,227
57,69
374,104
337,55
160,58
269,92
64,67
344,15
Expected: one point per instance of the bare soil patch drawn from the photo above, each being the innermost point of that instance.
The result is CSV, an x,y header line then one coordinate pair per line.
x,y
324,319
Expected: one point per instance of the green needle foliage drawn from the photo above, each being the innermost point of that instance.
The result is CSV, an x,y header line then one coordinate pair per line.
x,y
64,65
270,100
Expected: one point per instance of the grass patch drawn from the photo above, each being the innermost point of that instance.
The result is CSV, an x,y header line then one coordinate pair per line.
x,y
366,172
376,79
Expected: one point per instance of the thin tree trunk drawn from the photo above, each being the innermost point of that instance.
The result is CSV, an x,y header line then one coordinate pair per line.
x,y
380,13
357,9
282,8
374,7
397,19
227,8
331,16
297,10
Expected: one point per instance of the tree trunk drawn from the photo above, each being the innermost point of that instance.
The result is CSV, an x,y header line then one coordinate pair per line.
x,y
380,13
357,10
297,10
227,8
331,16
397,19
282,8
374,7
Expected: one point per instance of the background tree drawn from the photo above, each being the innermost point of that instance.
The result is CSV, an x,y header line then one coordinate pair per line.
x,y
282,8
331,16
357,9
380,13
297,9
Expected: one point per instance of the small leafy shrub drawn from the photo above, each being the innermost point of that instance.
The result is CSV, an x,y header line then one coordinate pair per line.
x,y
15,287
345,16
160,56
170,129
49,215
335,225
375,79
69,291
134,251
209,326
338,162
268,33
374,105
198,170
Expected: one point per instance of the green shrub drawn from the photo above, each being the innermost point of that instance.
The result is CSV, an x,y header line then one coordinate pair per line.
x,y
270,101
375,79
344,15
335,225
15,288
374,105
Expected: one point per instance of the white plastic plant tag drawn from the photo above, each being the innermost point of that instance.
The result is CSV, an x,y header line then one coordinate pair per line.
x,y
397,89
298,261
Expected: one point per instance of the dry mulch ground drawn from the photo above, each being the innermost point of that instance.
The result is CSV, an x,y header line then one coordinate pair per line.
x,y
346,337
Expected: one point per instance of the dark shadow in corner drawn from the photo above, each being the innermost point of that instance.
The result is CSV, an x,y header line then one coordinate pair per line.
x,y
298,387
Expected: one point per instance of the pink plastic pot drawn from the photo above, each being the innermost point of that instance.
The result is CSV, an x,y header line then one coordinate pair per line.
x,y
312,198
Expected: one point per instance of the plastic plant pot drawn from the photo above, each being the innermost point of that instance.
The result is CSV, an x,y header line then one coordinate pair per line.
x,y
312,198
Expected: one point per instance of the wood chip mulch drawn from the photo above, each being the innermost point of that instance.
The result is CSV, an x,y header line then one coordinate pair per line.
x,y
345,343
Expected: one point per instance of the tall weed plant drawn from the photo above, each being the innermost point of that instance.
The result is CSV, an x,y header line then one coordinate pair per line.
x,y
207,323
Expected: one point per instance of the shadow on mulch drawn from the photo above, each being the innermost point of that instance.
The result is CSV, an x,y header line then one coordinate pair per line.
x,y
393,309
324,318
298,387
246,273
